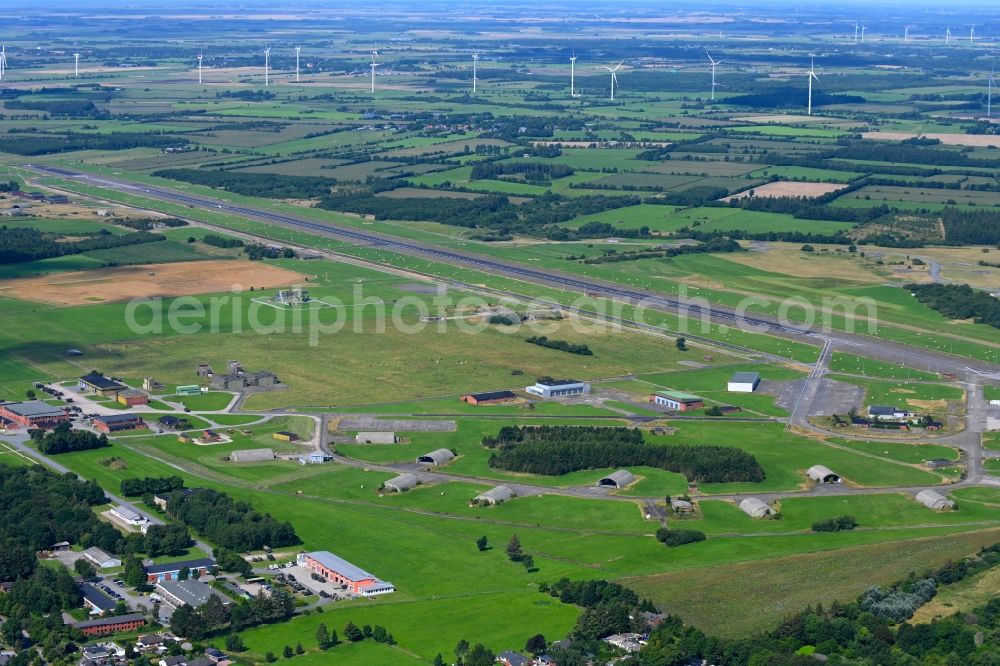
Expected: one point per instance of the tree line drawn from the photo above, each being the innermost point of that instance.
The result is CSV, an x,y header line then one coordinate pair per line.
x,y
63,439
532,172
561,345
27,244
959,301
267,185
229,523
557,450
49,144
135,487
714,243
214,617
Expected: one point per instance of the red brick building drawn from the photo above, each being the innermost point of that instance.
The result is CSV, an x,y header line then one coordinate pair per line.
x,y
111,625
339,571
491,398
33,414
108,423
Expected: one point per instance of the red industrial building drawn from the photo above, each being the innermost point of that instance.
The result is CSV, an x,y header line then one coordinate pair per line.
x,y
33,414
341,572
490,398
111,625
108,423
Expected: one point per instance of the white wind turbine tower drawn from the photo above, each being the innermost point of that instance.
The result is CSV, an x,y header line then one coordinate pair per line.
x,y
812,76
3,61
200,58
374,65
906,34
972,34
714,64
298,49
267,66
572,75
475,67
863,28
947,36
614,77
856,28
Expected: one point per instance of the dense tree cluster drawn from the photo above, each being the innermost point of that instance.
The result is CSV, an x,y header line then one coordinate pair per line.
x,y
678,537
902,153
78,108
151,484
63,439
229,523
838,524
28,244
221,241
959,301
159,540
561,345
778,98
713,244
63,143
537,173
268,185
213,617
554,450
970,227
147,223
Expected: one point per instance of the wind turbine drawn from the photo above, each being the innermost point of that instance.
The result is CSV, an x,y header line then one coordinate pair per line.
x,y
991,83
572,75
267,65
200,57
906,34
3,60
972,34
714,64
856,28
475,66
863,28
614,77
812,76
374,65
297,50
947,36
76,65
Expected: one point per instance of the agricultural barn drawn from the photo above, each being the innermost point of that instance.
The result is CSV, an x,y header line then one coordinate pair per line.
x,y
339,571
100,559
375,438
491,398
822,474
743,382
251,455
439,457
677,400
934,500
558,388
404,481
103,626
33,414
132,397
618,479
755,508
495,495
107,423
99,384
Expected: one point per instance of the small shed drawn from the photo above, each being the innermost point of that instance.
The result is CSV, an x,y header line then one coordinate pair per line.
x,y
743,382
681,506
375,438
935,500
755,508
617,479
495,495
822,474
401,483
438,457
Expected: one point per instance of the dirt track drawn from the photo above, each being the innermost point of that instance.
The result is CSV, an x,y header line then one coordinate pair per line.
x,y
105,285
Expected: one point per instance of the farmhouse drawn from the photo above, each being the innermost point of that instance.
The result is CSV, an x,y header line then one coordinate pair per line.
x,y
100,385
887,412
189,591
401,483
95,600
132,397
285,436
251,455
110,625
822,474
375,438
558,388
617,479
33,414
677,400
101,559
339,571
108,423
494,495
755,508
934,500
438,457
490,398
743,382
157,573
129,515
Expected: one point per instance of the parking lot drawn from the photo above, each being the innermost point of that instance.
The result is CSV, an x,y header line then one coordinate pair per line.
x,y
303,576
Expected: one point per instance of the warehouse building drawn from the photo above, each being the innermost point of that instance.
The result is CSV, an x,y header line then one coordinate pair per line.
x,y
95,600
677,400
401,483
129,515
33,414
617,479
558,388
438,457
251,455
755,508
131,397
489,398
157,573
189,591
108,423
99,384
743,382
101,559
494,496
341,572
935,500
